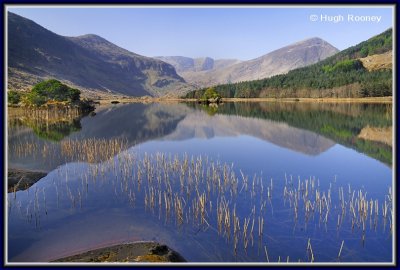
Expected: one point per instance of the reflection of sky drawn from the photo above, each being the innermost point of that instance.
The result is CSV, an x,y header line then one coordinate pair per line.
x,y
106,217
255,156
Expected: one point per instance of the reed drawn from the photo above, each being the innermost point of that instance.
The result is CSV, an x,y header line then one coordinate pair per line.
x,y
340,250
207,194
266,253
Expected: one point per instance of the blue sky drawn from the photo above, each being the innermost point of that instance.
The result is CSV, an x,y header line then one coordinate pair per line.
x,y
241,33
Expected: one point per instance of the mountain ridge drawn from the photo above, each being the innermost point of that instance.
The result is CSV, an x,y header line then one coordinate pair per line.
x,y
89,62
96,65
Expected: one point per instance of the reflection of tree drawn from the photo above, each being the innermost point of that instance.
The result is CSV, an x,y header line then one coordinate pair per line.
x,y
51,125
340,122
55,131
211,109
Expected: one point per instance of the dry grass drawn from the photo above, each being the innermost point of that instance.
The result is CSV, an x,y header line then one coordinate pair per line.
x,y
378,61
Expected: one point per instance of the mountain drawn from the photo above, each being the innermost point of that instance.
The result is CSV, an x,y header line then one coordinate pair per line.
x,y
184,65
207,72
88,62
363,70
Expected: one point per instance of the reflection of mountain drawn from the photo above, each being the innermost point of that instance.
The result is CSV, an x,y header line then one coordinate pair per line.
x,y
340,122
306,128
136,123
199,125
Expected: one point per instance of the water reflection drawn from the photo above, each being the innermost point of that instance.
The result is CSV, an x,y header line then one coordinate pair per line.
x,y
201,202
51,125
197,125
344,123
286,168
304,127
130,125
310,128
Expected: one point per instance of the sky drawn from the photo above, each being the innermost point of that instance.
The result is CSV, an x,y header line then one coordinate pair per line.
x,y
221,33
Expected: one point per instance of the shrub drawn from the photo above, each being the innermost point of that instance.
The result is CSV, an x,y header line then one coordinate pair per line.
x,y
210,93
52,90
13,97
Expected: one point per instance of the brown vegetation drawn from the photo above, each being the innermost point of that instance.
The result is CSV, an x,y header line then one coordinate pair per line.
x,y
378,61
378,134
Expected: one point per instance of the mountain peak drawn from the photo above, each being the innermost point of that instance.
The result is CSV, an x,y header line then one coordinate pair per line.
x,y
313,41
91,38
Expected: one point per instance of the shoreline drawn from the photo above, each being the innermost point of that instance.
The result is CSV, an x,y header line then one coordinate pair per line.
x,y
145,100
320,100
385,100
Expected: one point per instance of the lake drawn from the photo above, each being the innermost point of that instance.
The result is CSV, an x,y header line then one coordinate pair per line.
x,y
241,182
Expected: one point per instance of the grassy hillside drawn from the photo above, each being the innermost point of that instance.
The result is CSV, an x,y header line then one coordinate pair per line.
x,y
341,75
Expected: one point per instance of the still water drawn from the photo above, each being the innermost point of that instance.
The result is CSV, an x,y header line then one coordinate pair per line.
x,y
244,182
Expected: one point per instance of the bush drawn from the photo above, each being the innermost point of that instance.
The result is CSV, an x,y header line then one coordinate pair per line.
x,y
52,90
13,97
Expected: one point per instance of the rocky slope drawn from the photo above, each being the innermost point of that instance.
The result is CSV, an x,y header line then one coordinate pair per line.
x,y
186,65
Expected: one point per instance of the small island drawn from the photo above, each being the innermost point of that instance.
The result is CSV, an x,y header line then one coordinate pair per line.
x,y
210,97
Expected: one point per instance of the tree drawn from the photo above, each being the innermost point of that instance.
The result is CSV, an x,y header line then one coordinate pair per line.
x,y
13,97
210,93
52,90
35,98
